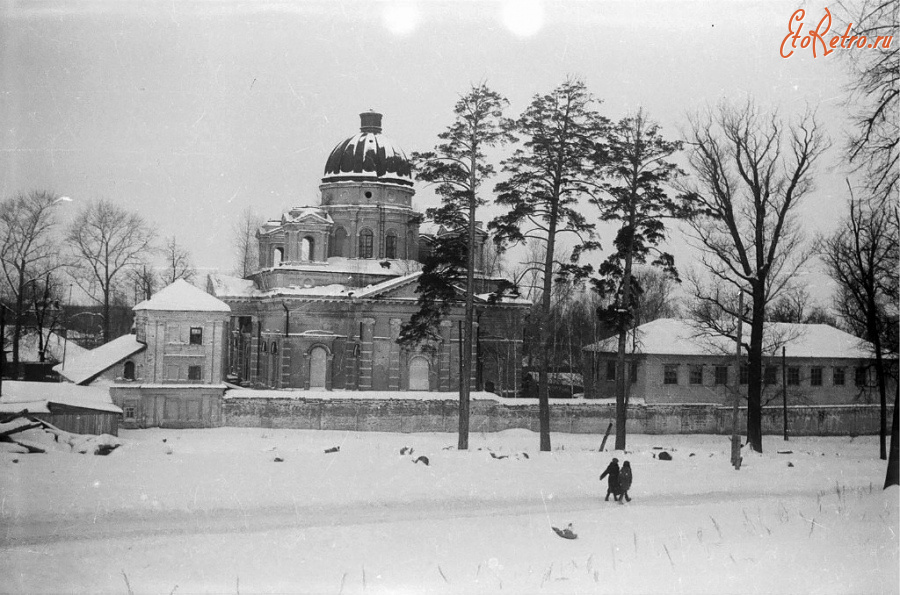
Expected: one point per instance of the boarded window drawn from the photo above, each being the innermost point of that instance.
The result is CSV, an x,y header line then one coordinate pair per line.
x,y
196,335
172,372
838,378
815,376
318,359
793,376
418,374
195,372
610,370
670,374
721,375
696,375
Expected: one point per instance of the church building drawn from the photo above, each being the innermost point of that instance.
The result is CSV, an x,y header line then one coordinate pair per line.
x,y
336,281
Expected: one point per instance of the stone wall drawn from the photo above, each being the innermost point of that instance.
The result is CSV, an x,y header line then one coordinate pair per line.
x,y
397,415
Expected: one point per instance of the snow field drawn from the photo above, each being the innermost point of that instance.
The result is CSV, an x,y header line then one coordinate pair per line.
x,y
212,511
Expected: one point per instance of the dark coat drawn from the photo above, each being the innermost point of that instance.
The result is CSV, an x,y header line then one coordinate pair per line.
x,y
613,471
625,477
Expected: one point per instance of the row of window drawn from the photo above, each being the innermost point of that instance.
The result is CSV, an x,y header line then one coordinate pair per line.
x,y
770,375
366,246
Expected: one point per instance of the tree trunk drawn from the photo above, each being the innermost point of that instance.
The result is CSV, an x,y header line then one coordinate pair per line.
x,y
875,338
17,323
621,386
755,367
892,477
545,336
466,351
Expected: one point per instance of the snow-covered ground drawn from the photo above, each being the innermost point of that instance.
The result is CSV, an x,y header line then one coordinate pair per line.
x,y
213,511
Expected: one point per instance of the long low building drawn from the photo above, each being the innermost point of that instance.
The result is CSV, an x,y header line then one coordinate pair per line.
x,y
676,361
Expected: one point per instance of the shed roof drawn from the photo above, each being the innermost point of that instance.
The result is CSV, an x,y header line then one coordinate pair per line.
x,y
87,366
181,296
670,336
35,396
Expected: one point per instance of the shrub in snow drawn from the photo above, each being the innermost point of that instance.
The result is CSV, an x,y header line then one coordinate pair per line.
x,y
664,456
422,459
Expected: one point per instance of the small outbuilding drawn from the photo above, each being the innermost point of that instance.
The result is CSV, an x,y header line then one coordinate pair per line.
x,y
69,407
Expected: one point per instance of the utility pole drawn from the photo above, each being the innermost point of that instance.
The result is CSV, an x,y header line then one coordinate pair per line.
x,y
735,437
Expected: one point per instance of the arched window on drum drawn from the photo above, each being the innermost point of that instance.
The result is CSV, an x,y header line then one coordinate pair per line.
x,y
390,244
366,244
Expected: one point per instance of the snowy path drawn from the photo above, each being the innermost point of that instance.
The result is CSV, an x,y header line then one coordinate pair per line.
x,y
134,524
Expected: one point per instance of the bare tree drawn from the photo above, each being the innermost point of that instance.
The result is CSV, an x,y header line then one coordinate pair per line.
x,y
28,252
178,262
862,257
107,241
657,298
144,280
792,306
246,246
874,97
46,295
751,172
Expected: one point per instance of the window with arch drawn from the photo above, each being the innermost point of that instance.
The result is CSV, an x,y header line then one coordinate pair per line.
x,y
274,348
128,371
339,242
390,245
277,256
366,244
307,248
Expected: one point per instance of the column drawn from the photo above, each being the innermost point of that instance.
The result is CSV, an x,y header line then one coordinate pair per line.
x,y
366,353
286,350
394,356
446,356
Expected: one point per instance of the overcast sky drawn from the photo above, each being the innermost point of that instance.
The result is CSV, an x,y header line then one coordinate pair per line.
x,y
188,112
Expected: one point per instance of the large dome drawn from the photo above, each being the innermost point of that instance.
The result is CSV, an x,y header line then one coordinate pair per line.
x,y
368,156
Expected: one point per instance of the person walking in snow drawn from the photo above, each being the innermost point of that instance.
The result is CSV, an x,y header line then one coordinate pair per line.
x,y
612,470
624,482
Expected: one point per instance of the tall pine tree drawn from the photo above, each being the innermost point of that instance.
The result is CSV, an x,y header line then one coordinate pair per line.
x,y
548,175
634,194
458,167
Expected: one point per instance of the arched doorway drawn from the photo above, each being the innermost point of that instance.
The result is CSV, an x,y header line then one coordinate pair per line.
x,y
277,256
418,374
318,358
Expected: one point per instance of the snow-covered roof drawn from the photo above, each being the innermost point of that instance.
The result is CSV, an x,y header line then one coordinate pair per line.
x,y
88,365
181,296
35,396
56,346
670,336
374,290
356,266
